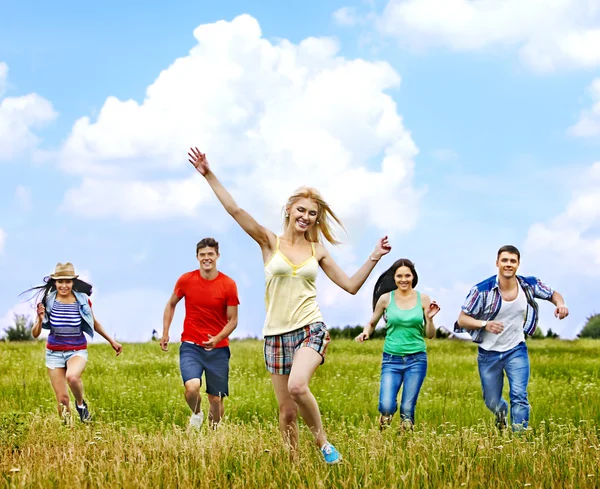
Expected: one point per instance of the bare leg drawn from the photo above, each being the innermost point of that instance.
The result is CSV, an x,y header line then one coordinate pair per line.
x,y
192,394
288,411
306,361
75,367
59,384
216,411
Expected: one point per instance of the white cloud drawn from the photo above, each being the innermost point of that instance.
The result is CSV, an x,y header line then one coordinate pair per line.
x,y
18,117
23,198
549,35
270,116
346,16
2,240
131,199
571,240
589,120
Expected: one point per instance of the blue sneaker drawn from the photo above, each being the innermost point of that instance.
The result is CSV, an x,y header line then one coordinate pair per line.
x,y
84,413
330,454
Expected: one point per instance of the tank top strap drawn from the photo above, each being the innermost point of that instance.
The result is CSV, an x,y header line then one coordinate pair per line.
x,y
277,245
312,245
419,303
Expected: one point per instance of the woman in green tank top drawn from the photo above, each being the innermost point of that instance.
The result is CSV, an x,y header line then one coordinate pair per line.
x,y
409,318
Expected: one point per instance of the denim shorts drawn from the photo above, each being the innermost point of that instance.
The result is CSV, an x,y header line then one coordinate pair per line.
x,y
59,358
194,360
280,349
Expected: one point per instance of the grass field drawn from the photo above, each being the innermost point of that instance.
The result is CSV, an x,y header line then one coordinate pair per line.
x,y
139,436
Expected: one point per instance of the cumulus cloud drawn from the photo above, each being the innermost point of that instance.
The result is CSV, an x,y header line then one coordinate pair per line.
x,y
589,120
548,35
346,16
3,77
270,116
571,240
19,116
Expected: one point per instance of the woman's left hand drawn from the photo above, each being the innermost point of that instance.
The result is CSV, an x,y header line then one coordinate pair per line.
x,y
117,347
383,248
433,310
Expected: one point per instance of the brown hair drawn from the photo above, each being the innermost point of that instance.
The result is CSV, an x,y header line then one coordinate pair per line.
x,y
509,249
207,243
325,216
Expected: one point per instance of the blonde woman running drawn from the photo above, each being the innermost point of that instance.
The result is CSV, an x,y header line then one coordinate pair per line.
x,y
295,336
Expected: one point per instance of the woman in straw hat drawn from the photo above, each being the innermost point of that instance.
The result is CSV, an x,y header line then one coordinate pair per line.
x,y
295,336
66,310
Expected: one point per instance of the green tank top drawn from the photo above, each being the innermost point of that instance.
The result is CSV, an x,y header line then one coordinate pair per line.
x,y
405,329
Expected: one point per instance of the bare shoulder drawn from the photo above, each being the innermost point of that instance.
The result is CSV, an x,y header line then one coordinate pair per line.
x,y
320,251
384,299
425,300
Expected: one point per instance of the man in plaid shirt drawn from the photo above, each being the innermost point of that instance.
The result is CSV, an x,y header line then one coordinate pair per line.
x,y
498,312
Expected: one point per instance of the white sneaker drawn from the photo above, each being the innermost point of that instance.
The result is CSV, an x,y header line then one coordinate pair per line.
x,y
196,420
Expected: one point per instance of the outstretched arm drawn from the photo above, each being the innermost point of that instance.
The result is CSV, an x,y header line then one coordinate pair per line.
x,y
260,234
382,303
354,283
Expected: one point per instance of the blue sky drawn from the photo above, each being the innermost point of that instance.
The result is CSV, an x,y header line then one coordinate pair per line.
x,y
453,129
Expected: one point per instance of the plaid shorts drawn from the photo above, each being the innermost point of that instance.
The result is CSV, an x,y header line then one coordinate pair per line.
x,y
280,349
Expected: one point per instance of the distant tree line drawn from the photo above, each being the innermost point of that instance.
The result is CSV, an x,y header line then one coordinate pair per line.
x,y
22,324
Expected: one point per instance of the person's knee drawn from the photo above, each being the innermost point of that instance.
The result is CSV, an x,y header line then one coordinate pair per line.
x,y
298,389
519,397
63,399
387,407
192,386
288,413
215,401
73,378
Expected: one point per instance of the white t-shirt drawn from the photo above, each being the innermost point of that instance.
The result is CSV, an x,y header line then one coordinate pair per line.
x,y
512,315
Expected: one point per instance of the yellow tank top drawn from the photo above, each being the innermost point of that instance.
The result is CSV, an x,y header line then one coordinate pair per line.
x,y
290,293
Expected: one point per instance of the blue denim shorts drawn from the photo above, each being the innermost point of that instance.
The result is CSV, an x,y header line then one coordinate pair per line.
x,y
194,360
59,359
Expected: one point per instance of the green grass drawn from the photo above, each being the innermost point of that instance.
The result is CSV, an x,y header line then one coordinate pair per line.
x,y
139,436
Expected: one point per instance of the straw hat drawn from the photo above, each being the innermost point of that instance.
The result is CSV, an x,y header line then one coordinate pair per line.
x,y
64,271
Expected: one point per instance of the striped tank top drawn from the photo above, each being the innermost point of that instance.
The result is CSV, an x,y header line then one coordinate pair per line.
x,y
290,293
65,328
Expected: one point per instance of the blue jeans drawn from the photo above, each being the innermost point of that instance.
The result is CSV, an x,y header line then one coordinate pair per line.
x,y
492,365
409,370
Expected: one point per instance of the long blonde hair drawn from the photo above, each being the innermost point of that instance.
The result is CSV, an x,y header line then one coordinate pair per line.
x,y
325,216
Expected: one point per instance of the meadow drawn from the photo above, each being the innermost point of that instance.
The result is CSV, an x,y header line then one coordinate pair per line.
x,y
139,435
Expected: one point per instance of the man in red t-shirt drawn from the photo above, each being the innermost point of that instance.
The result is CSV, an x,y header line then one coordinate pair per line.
x,y
211,315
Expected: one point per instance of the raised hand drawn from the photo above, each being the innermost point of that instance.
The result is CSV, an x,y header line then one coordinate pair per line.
x,y
41,310
433,310
383,248
362,337
199,161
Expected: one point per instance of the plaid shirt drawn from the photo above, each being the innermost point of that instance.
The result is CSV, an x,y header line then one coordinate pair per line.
x,y
484,302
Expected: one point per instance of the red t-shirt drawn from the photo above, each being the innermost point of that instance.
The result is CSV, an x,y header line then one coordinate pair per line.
x,y
206,304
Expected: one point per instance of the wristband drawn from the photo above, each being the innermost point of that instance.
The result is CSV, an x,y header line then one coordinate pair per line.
x,y
374,259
